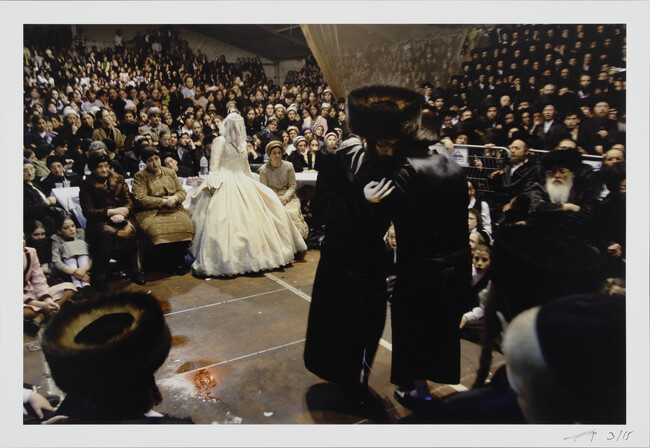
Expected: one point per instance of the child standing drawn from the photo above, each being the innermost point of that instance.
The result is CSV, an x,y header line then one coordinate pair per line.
x,y
70,254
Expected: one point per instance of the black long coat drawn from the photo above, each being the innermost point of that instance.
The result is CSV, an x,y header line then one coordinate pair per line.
x,y
507,186
429,209
35,207
580,225
348,308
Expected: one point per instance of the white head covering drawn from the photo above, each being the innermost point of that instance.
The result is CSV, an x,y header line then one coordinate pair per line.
x,y
234,131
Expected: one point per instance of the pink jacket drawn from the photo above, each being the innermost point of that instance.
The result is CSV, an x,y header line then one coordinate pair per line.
x,y
35,285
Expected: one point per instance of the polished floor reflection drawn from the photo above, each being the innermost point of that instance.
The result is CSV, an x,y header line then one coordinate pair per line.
x,y
236,355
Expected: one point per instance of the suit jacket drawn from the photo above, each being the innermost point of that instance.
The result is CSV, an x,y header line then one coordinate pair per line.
x,y
507,186
591,128
34,206
548,140
185,157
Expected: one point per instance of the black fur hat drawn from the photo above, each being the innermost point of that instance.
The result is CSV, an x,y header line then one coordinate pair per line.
x,y
384,112
566,158
108,350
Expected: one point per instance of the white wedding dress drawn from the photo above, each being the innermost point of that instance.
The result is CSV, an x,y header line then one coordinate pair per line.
x,y
242,227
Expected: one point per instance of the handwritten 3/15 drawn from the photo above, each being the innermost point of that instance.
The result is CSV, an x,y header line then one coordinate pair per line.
x,y
609,435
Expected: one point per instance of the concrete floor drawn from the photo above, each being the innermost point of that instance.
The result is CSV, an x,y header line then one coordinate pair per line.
x,y
236,353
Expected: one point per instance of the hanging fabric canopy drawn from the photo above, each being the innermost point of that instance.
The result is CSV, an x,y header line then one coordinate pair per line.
x,y
402,55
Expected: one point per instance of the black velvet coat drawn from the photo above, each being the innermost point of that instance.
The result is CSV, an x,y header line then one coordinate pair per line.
x,y
348,307
429,210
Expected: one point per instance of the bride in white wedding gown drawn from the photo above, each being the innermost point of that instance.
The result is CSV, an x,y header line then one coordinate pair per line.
x,y
240,225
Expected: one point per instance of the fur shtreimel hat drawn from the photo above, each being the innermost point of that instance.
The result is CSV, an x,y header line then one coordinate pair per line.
x,y
384,112
563,158
109,348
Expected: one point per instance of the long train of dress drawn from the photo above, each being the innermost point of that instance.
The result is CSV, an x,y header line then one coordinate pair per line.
x,y
242,227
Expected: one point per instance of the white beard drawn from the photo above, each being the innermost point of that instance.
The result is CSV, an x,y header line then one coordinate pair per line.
x,y
559,192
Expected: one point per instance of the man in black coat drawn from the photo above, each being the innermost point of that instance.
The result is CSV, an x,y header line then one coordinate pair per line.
x,y
565,200
599,130
551,130
510,181
348,307
116,343
429,209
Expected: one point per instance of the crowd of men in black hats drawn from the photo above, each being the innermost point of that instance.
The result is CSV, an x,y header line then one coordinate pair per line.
x,y
575,72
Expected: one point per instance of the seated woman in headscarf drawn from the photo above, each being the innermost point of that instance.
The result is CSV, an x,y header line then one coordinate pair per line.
x,y
302,158
280,176
158,195
107,205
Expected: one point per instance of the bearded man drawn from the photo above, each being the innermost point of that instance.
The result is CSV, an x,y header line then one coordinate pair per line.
x,y
348,306
429,209
564,199
599,130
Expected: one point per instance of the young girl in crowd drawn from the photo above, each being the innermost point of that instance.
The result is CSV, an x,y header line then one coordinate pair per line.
x,y
40,301
471,322
315,150
70,253
37,238
319,130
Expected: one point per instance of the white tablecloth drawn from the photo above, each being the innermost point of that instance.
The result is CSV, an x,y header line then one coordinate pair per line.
x,y
68,198
305,178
